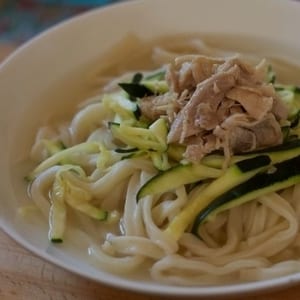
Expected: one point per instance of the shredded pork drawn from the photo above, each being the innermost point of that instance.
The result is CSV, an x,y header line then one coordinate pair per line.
x,y
218,104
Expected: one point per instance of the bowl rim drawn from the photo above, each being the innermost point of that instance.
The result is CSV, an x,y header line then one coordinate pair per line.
x,y
114,280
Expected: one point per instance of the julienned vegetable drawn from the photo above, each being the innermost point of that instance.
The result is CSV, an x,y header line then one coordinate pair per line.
x,y
152,138
65,193
175,177
182,174
234,175
285,174
290,94
281,157
151,85
70,155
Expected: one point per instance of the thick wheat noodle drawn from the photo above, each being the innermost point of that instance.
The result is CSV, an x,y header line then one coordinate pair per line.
x,y
119,265
153,231
168,209
119,171
134,245
276,270
263,236
132,222
242,244
276,242
39,187
229,246
175,264
87,120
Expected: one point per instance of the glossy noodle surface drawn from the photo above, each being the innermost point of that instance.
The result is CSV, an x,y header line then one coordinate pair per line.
x,y
127,178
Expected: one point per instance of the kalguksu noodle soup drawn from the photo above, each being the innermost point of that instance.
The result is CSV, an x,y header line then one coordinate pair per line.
x,y
184,165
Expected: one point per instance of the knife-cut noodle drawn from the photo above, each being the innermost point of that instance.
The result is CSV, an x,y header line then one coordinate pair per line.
x,y
98,181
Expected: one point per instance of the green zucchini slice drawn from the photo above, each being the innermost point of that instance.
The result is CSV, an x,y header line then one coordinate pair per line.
x,y
177,176
286,174
233,176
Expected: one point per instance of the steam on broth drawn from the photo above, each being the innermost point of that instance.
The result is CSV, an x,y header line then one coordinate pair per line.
x,y
115,180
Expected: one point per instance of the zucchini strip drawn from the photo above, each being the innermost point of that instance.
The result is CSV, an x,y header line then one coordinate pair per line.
x,y
64,155
152,138
80,199
234,175
136,89
53,147
286,174
58,213
175,177
88,209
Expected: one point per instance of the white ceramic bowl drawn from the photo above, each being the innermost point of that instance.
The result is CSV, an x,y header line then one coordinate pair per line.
x,y
27,89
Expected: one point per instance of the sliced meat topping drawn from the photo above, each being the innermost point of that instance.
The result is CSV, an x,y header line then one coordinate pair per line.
x,y
267,132
255,103
230,102
188,70
242,134
218,104
168,104
188,121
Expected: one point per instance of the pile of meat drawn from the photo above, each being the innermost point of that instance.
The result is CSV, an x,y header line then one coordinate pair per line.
x,y
218,104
